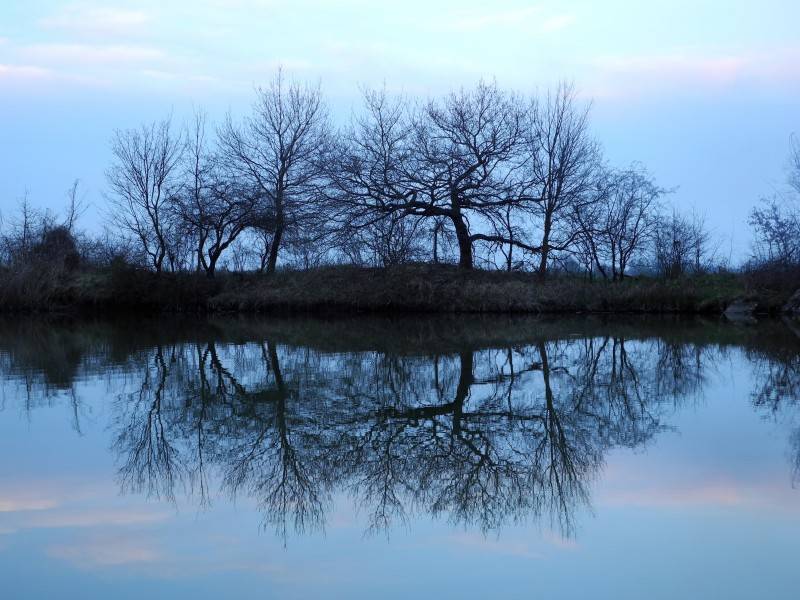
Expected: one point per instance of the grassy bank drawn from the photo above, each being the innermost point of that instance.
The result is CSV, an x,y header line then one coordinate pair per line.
x,y
412,288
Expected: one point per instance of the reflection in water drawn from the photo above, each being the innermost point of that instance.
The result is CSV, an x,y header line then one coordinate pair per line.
x,y
482,422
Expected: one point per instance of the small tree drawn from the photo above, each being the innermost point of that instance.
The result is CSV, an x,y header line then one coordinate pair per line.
x,y
562,162
276,151
776,231
143,183
620,222
680,245
213,207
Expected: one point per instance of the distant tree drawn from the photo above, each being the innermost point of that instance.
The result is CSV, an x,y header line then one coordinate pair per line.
x,y
776,219
619,222
276,150
680,244
142,181
76,207
776,231
562,162
794,165
41,238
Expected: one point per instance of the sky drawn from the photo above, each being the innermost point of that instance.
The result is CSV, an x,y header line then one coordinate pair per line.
x,y
704,92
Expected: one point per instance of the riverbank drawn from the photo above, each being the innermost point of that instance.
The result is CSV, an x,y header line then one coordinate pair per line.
x,y
411,288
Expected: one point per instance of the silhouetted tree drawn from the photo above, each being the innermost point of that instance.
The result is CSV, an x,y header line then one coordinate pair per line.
x,y
456,159
142,180
562,162
276,150
214,208
620,222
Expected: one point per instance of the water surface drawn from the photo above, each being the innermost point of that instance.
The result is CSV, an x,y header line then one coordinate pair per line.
x,y
411,457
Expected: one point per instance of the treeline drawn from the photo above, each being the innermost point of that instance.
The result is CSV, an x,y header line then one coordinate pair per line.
x,y
482,177
776,223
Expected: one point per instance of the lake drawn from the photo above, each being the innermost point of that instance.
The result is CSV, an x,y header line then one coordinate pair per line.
x,y
447,457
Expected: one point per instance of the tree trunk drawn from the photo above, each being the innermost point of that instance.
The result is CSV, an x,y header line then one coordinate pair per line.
x,y
465,381
158,262
211,268
274,247
545,252
464,241
436,244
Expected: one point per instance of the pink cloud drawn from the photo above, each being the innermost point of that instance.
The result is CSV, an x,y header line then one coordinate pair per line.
x,y
715,495
494,546
25,502
95,518
633,75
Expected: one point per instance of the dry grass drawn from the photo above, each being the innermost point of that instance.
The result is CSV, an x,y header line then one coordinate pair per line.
x,y
411,288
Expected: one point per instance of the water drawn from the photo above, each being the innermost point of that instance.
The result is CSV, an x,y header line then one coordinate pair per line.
x,y
394,458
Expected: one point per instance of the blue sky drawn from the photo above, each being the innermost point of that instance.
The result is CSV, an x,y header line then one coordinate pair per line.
x,y
703,92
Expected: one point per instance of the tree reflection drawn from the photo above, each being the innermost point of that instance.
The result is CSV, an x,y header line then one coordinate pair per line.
x,y
777,388
480,437
480,430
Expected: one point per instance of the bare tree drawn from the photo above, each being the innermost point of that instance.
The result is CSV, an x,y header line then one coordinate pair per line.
x,y
454,158
276,150
213,207
508,225
794,165
776,229
142,182
76,206
776,220
620,221
562,159
680,244
392,240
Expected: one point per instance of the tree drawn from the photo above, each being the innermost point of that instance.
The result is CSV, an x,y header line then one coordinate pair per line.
x,y
620,221
142,179
455,158
776,220
562,161
776,231
276,150
680,244
794,165
214,208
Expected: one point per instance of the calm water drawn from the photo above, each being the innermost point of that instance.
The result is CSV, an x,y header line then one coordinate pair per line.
x,y
377,458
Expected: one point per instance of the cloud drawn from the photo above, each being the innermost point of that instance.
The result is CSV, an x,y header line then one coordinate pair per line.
x,y
559,541
718,495
617,76
23,503
483,544
722,69
88,54
533,18
97,20
94,518
557,23
23,71
106,552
